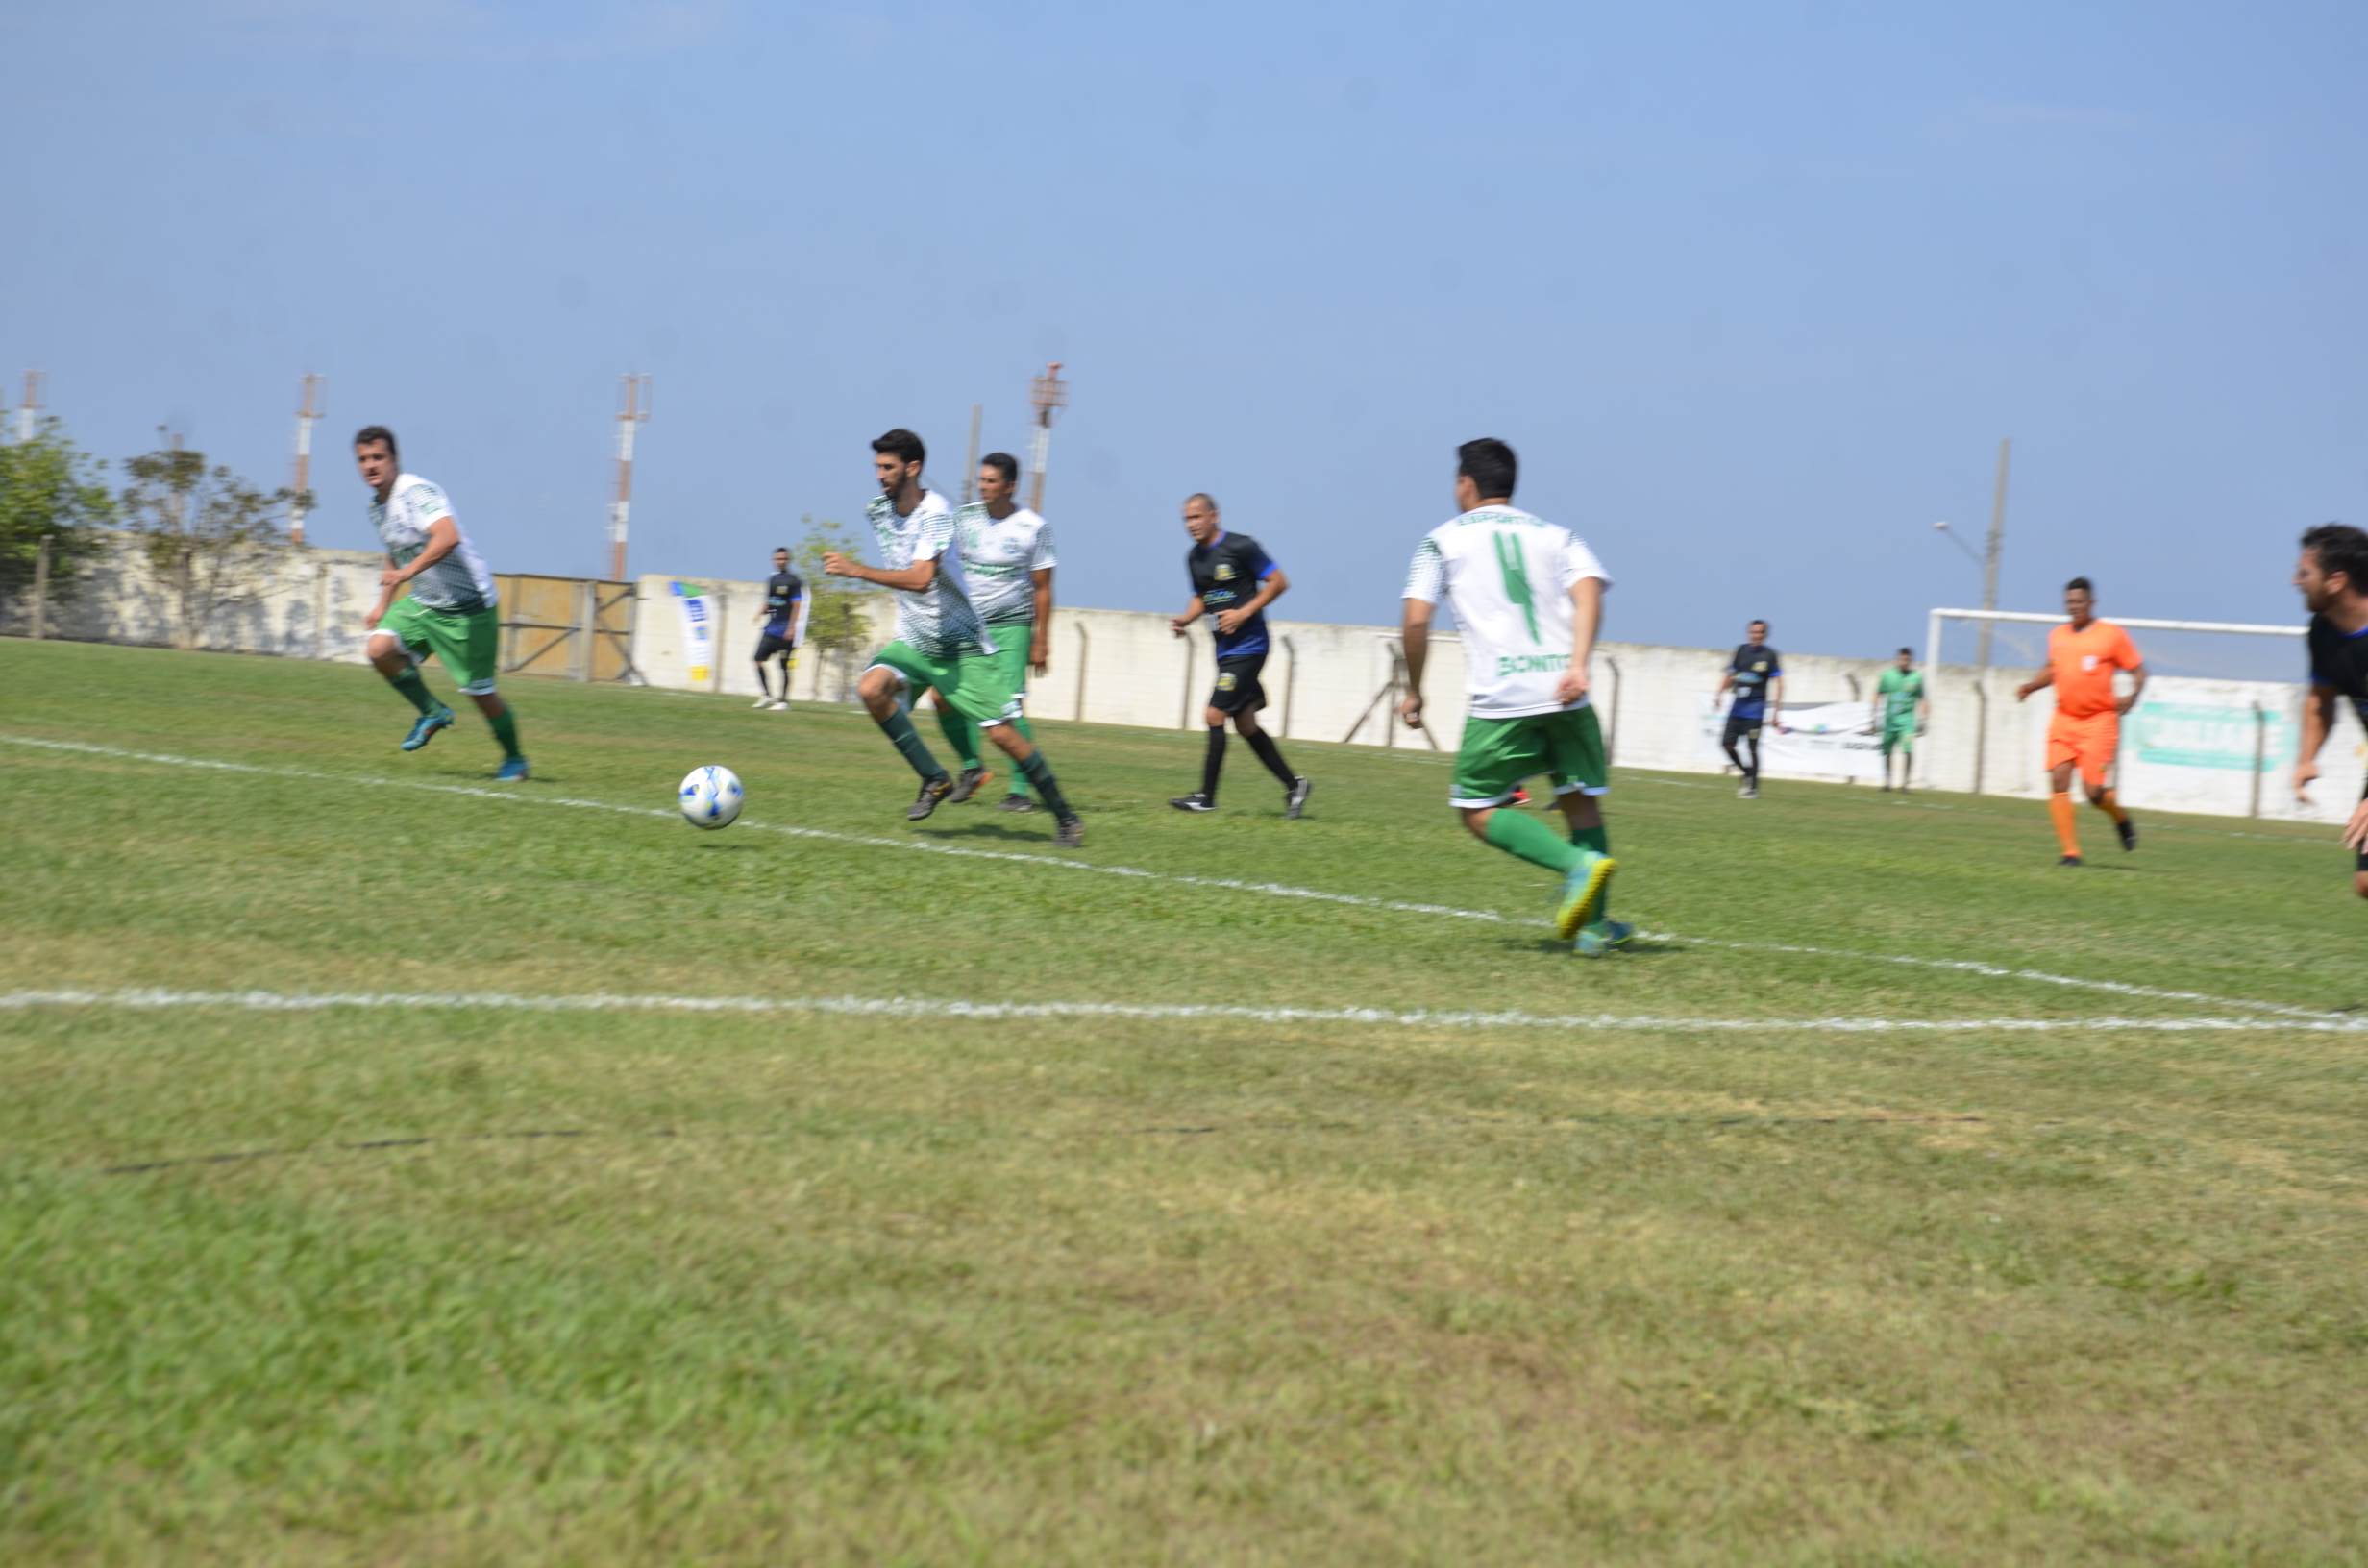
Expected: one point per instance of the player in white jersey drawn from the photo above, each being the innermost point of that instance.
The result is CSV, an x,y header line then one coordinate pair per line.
x,y
1007,559
1528,598
450,611
941,643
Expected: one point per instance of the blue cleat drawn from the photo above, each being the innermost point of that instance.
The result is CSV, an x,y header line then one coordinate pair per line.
x,y
511,772
424,729
1600,937
1582,892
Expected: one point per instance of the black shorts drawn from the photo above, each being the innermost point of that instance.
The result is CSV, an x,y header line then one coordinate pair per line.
x,y
1737,728
769,644
1237,689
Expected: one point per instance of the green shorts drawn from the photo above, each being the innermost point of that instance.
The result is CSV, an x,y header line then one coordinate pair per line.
x,y
1499,755
1898,738
468,645
1013,643
973,687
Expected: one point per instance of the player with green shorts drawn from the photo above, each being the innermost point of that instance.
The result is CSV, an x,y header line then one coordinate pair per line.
x,y
452,612
1528,597
1899,703
941,643
1007,560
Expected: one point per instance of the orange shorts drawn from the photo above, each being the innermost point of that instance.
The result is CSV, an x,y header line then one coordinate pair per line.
x,y
2089,743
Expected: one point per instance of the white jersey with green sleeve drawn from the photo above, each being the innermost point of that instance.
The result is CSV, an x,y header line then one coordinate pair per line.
x,y
938,621
1900,691
1001,557
1509,576
459,584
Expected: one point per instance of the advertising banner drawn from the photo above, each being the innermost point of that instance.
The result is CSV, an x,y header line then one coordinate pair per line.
x,y
1834,740
698,630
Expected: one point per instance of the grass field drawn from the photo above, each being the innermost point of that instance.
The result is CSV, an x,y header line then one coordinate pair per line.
x,y
1905,1201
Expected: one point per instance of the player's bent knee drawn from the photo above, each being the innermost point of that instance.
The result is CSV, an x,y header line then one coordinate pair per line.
x,y
2360,882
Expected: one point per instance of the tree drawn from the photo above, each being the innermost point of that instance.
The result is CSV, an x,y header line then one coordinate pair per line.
x,y
838,623
48,486
210,535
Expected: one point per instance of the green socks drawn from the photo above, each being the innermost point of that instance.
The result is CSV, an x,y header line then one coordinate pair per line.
x,y
1019,782
413,689
1599,839
960,734
1040,775
505,730
897,726
1517,833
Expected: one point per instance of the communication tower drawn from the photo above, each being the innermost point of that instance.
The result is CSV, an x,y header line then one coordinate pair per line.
x,y
634,399
1049,394
306,416
32,405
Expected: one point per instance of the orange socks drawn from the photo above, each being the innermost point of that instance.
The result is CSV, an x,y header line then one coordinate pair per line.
x,y
2068,831
2112,808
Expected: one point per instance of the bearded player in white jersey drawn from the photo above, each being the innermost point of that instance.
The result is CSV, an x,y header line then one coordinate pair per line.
x,y
941,643
451,610
1528,597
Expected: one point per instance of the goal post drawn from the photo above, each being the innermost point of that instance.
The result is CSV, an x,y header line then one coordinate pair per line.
x,y
2236,725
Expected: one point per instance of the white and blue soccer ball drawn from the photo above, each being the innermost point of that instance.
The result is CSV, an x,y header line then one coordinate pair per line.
x,y
711,798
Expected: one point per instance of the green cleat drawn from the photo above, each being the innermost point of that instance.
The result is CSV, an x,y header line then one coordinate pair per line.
x,y
1600,937
424,731
1582,892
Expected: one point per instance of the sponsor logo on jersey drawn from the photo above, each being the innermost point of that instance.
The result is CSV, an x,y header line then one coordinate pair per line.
x,y
1224,571
1528,664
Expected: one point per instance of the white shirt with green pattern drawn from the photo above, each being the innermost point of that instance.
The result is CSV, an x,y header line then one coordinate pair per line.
x,y
459,584
937,621
1001,557
1509,576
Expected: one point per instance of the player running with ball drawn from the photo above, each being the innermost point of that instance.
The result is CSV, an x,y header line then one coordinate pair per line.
x,y
1529,598
940,641
451,611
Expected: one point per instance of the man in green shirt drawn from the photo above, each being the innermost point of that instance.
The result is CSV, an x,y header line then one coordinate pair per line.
x,y
1899,715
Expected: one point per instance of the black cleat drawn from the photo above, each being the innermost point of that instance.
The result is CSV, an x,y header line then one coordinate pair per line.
x,y
2072,861
1014,801
932,793
1195,801
968,784
1295,799
2127,830
1072,834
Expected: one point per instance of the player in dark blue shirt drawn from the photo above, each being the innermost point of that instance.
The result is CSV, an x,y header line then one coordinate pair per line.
x,y
1757,675
2333,579
784,598
1233,582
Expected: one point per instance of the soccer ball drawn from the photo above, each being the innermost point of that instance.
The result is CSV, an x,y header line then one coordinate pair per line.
x,y
711,798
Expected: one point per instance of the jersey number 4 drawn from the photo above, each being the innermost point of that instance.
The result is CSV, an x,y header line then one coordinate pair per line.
x,y
1515,572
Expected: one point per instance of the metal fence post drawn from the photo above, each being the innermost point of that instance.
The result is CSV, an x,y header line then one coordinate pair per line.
x,y
40,589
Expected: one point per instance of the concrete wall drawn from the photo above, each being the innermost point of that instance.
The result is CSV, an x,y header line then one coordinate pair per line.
x,y
2189,747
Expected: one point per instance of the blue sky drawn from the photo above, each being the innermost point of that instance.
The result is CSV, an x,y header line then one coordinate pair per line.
x,y
1755,289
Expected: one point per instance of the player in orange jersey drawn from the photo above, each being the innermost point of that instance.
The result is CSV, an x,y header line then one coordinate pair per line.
x,y
2087,729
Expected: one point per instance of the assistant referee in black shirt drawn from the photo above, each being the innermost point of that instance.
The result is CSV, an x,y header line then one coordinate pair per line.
x,y
2333,579
1233,582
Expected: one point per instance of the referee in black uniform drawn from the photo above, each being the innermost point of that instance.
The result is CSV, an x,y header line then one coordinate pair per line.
x,y
2333,579
784,594
1233,582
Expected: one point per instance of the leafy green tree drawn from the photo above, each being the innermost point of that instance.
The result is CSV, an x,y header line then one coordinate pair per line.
x,y
48,486
210,537
838,623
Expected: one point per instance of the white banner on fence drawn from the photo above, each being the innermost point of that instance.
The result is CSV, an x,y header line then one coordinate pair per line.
x,y
1832,739
698,631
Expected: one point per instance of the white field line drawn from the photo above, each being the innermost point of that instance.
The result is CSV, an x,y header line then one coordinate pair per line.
x,y
1271,888
917,1006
